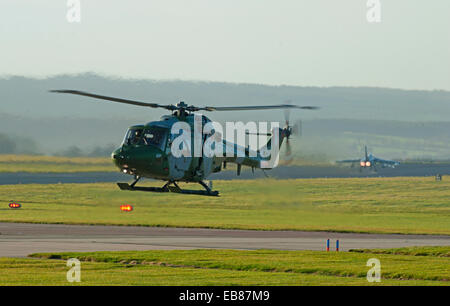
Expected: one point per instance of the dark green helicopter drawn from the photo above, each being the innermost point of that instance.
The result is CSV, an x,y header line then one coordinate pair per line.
x,y
147,149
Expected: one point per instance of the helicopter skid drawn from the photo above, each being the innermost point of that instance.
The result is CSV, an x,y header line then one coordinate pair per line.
x,y
166,188
126,186
198,192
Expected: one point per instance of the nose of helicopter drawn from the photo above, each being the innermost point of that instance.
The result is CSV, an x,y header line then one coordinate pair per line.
x,y
118,158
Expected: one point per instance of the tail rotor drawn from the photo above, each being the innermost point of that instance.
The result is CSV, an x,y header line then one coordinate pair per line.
x,y
288,132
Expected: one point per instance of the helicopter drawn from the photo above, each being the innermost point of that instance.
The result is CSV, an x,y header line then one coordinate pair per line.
x,y
149,150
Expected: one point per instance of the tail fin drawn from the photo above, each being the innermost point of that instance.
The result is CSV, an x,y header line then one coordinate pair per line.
x,y
281,133
367,156
269,158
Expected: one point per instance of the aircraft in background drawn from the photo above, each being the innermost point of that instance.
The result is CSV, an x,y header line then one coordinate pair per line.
x,y
369,161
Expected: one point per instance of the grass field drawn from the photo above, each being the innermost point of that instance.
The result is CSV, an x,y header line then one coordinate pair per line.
x,y
41,163
229,267
59,164
372,205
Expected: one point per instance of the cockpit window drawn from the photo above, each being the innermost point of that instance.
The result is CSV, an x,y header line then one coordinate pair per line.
x,y
155,137
133,136
152,136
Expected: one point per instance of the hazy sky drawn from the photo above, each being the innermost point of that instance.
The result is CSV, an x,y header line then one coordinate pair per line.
x,y
295,42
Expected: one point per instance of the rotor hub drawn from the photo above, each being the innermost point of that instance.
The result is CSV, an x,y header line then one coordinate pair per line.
x,y
181,104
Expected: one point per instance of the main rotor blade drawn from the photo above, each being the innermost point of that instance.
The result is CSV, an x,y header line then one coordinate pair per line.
x,y
138,103
238,108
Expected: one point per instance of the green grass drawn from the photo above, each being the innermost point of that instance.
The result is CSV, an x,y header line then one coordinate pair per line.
x,y
59,164
372,205
43,164
412,251
226,267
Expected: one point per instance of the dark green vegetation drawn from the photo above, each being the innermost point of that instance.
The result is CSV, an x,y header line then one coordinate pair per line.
x,y
413,251
372,205
40,163
17,144
226,267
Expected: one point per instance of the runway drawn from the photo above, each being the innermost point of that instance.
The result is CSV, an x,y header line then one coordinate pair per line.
x,y
20,240
281,172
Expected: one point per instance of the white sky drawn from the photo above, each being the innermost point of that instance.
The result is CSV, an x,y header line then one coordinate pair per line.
x,y
295,42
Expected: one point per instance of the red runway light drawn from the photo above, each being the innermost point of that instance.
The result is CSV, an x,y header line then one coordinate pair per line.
x,y
126,207
14,205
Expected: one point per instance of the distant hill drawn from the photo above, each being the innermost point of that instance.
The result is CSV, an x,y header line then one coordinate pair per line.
x,y
29,97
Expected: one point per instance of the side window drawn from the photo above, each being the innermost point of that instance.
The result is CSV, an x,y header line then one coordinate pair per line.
x,y
155,137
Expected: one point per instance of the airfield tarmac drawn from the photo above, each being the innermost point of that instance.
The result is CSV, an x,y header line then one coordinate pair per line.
x,y
20,240
281,172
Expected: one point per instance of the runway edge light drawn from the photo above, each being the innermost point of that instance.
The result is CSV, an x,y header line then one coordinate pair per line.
x,y
14,205
126,207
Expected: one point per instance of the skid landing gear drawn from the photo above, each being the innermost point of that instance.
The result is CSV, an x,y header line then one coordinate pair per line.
x,y
167,187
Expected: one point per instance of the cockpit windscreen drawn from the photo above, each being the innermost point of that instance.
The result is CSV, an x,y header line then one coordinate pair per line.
x,y
151,136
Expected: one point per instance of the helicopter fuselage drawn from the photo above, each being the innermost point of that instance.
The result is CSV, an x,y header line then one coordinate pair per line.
x,y
147,152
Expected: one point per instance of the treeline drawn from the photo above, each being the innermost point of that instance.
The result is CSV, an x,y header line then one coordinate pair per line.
x,y
17,145
25,145
98,151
